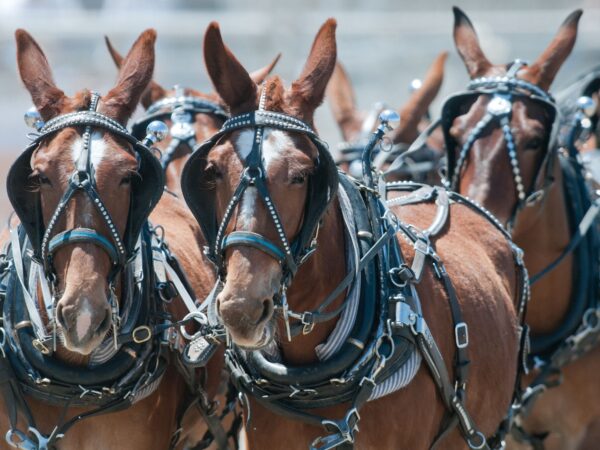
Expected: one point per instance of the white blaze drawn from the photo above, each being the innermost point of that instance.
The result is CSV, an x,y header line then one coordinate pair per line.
x,y
273,146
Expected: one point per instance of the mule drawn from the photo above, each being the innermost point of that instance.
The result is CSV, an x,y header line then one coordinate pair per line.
x,y
502,153
356,126
191,115
100,370
264,191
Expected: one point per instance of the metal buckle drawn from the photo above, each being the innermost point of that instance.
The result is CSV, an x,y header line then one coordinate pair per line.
x,y
308,322
199,317
144,338
461,335
345,429
534,197
396,278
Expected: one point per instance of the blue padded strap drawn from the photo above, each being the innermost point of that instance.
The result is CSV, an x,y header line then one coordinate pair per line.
x,y
83,235
255,240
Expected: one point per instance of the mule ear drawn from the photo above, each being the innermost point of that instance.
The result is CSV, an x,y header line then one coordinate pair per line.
x,y
310,86
258,76
545,68
37,76
467,44
418,103
343,102
231,81
134,76
153,92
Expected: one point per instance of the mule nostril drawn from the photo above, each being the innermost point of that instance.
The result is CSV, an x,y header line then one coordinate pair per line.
x,y
105,324
267,311
60,317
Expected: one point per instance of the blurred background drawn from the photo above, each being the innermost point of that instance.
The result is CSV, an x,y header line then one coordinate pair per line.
x,y
384,44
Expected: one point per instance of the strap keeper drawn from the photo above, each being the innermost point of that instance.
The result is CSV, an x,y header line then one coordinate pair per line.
x,y
461,335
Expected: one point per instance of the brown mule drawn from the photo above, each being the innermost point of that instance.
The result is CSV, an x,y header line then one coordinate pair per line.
x,y
200,116
356,126
541,226
477,256
83,270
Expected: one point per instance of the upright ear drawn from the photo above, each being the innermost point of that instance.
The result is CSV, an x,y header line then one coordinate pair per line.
x,y
309,89
231,81
134,76
545,68
418,103
37,76
258,76
467,44
343,102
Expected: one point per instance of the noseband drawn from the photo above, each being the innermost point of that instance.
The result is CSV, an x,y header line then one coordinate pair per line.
x,y
504,91
180,109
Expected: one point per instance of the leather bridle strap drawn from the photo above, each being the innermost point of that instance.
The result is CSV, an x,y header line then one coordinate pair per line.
x,y
180,109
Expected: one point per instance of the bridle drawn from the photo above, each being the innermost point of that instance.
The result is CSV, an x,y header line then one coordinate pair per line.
x,y
350,152
44,240
504,91
180,109
321,191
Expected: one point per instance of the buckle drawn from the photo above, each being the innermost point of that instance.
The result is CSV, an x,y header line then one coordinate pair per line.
x,y
400,275
41,347
141,334
534,197
461,335
308,322
167,291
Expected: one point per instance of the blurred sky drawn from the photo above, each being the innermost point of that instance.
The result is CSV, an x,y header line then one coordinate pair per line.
x,y
384,44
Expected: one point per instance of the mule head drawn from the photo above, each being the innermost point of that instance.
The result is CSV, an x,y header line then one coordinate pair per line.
x,y
252,277
203,124
356,126
83,311
487,175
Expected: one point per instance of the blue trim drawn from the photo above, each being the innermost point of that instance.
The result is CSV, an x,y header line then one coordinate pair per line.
x,y
83,236
256,241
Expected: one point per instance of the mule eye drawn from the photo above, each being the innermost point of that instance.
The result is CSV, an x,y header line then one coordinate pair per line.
x,y
213,171
298,179
534,143
126,180
40,179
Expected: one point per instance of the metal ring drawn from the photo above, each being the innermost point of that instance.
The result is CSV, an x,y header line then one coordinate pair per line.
x,y
144,338
199,317
476,446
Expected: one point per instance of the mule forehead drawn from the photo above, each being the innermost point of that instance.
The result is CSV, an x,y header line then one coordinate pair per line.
x,y
276,145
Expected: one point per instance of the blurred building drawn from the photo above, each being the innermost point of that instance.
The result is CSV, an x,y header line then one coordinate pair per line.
x,y
383,43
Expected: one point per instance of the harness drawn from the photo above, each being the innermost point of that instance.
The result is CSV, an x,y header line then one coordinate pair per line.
x,y
129,365
580,330
181,110
391,325
417,165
